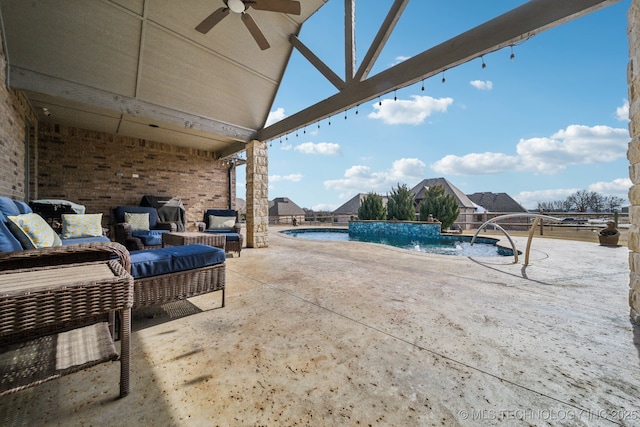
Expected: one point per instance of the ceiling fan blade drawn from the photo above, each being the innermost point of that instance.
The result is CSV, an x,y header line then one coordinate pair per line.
x,y
212,20
255,31
285,6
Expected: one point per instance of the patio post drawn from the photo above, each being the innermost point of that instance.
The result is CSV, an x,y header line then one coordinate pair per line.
x,y
633,154
257,194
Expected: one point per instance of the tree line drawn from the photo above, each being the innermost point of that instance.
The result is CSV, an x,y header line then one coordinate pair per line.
x,y
584,201
401,206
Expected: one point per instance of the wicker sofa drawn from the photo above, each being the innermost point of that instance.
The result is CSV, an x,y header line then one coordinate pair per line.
x,y
160,275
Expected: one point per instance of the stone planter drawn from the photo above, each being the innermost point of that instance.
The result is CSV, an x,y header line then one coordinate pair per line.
x,y
610,235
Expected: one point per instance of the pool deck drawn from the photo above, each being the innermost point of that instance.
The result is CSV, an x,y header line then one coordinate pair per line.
x,y
356,334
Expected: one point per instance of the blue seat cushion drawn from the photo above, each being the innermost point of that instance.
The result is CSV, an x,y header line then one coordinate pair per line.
x,y
231,236
154,262
149,237
78,240
8,242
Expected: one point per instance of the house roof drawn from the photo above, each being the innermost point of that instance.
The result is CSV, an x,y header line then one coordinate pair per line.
x,y
462,199
496,202
283,206
351,207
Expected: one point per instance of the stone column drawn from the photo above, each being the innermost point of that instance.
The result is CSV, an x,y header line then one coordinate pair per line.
x,y
633,78
257,194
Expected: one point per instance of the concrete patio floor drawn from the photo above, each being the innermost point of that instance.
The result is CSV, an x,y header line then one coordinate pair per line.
x,y
356,334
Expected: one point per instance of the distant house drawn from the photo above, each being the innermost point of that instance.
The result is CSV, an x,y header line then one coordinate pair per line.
x,y
349,210
284,211
241,207
466,206
497,202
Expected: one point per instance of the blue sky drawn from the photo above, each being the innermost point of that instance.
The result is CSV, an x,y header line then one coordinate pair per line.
x,y
541,126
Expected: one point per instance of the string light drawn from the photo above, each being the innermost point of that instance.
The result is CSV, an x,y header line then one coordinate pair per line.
x,y
443,79
329,120
423,85
357,105
483,64
513,55
345,114
379,101
395,98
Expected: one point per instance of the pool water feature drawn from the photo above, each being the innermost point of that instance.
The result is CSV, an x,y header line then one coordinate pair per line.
x,y
443,245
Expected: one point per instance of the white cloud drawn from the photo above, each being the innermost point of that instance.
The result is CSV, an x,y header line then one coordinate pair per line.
x,y
411,112
476,164
618,187
574,145
399,59
622,112
286,146
482,85
361,179
323,148
294,177
275,116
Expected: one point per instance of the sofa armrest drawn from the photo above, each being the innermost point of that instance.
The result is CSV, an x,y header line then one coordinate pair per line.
x,y
60,255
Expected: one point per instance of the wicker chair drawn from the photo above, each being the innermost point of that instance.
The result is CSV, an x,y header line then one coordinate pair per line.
x,y
139,239
230,228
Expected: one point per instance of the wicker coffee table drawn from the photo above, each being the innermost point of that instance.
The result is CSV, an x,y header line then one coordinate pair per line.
x,y
36,303
189,237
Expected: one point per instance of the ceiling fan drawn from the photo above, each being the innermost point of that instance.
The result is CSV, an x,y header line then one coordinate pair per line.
x,y
240,6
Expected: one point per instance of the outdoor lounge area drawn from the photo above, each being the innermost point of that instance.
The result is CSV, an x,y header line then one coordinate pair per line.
x,y
350,333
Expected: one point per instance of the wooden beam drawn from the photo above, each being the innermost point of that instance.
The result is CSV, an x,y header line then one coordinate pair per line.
x,y
381,39
509,28
349,39
317,62
22,79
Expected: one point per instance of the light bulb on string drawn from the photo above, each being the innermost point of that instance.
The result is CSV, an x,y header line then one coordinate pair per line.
x,y
345,114
443,79
483,64
329,120
379,102
423,85
395,98
513,55
357,105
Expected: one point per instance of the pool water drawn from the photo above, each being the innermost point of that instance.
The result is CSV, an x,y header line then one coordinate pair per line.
x,y
447,245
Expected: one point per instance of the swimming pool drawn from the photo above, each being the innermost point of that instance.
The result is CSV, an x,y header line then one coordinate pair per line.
x,y
445,245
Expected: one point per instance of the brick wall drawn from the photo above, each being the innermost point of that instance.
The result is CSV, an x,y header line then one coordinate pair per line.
x,y
97,170
16,116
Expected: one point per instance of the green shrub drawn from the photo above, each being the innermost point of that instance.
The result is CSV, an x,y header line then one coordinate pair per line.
x,y
442,206
372,208
400,204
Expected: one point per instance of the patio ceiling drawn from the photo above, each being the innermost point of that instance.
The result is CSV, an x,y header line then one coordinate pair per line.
x,y
139,68
126,66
